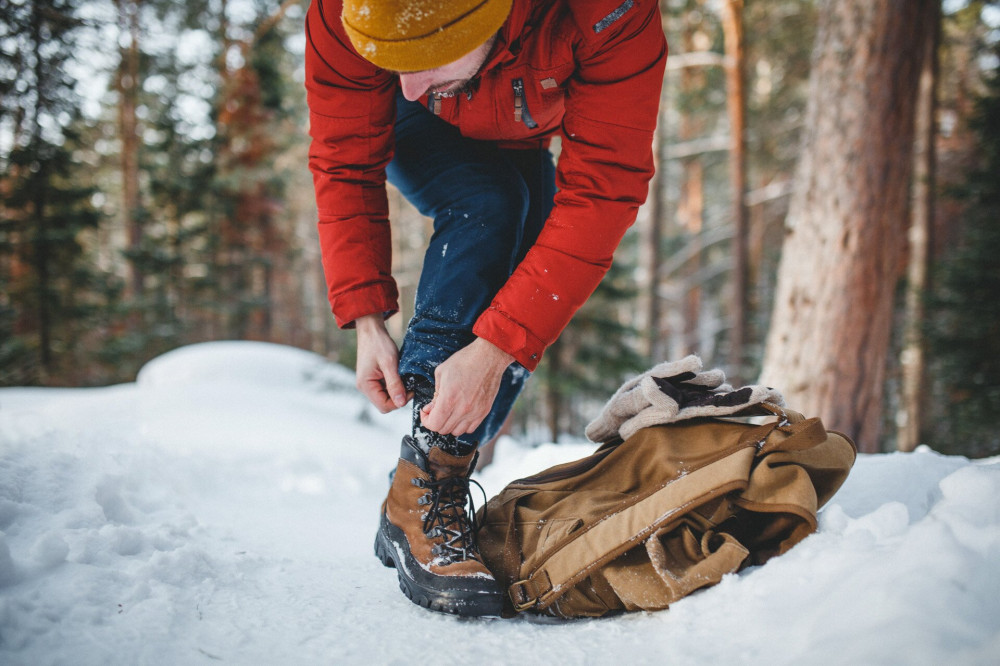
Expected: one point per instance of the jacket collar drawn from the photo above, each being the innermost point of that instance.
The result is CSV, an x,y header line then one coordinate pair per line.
x,y
512,33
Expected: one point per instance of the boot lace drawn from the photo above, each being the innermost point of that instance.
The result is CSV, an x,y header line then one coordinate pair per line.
x,y
447,517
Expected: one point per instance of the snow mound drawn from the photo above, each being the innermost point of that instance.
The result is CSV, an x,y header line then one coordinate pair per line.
x,y
242,362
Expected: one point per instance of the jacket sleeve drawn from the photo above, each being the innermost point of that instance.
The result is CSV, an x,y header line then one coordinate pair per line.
x,y
351,113
602,177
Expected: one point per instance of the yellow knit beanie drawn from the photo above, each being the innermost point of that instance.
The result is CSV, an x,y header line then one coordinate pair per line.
x,y
414,35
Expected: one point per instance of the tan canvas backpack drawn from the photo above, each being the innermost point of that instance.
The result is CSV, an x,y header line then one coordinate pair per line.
x,y
645,521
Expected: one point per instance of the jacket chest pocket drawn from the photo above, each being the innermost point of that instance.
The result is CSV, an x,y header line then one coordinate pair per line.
x,y
533,101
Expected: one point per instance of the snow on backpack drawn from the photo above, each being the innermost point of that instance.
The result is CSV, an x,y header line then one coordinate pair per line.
x,y
693,480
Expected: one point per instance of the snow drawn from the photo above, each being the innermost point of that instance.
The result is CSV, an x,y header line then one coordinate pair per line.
x,y
222,508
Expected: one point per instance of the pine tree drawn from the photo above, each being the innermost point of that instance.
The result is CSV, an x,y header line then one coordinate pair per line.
x,y
159,185
249,110
46,202
964,312
213,251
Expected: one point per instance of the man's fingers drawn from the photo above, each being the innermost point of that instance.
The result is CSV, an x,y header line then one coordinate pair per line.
x,y
377,375
373,386
467,384
377,395
394,389
429,418
445,418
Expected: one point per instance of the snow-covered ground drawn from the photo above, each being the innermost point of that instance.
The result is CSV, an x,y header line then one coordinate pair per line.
x,y
222,508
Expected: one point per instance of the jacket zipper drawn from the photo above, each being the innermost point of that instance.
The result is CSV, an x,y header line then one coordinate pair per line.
x,y
434,104
521,112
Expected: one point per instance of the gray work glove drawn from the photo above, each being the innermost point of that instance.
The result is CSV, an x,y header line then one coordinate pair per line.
x,y
671,392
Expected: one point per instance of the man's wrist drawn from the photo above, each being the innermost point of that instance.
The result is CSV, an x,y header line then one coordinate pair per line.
x,y
493,354
373,323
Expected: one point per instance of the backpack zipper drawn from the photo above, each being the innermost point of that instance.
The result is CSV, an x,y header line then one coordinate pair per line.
x,y
571,469
521,112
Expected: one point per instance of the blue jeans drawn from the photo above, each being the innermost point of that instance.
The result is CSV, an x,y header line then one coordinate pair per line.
x,y
488,205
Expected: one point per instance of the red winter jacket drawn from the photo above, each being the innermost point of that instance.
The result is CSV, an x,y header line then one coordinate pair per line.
x,y
591,72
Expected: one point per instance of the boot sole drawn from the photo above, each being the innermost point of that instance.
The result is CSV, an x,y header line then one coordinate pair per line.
x,y
465,596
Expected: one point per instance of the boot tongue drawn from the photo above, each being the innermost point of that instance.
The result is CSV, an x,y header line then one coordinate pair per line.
x,y
444,465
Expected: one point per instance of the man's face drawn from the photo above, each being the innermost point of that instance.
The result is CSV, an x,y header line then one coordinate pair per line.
x,y
448,79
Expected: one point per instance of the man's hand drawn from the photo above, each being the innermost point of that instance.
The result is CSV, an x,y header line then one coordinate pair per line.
x,y
378,365
466,386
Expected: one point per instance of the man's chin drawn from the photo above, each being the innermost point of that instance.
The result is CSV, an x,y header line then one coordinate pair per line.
x,y
452,90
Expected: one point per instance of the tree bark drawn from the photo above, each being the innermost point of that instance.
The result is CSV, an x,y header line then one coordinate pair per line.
x,y
732,25
691,207
913,360
652,253
40,187
653,258
554,397
691,213
846,227
128,89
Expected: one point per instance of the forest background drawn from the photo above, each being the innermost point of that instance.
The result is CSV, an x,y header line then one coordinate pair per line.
x,y
825,214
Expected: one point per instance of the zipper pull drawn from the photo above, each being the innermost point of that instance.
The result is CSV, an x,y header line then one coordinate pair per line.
x,y
518,99
434,103
521,113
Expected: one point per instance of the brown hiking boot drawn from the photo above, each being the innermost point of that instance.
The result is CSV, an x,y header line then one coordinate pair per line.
x,y
427,535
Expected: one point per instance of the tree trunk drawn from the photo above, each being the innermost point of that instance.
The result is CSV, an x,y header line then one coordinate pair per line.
x,y
921,241
691,213
554,398
691,207
128,93
840,264
652,252
44,286
654,260
39,185
732,25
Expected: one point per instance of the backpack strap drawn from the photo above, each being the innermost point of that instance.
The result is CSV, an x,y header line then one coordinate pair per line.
x,y
610,537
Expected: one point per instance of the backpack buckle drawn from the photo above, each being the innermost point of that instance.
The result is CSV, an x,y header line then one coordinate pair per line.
x,y
520,597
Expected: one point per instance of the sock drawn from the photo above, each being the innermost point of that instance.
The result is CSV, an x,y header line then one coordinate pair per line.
x,y
423,393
